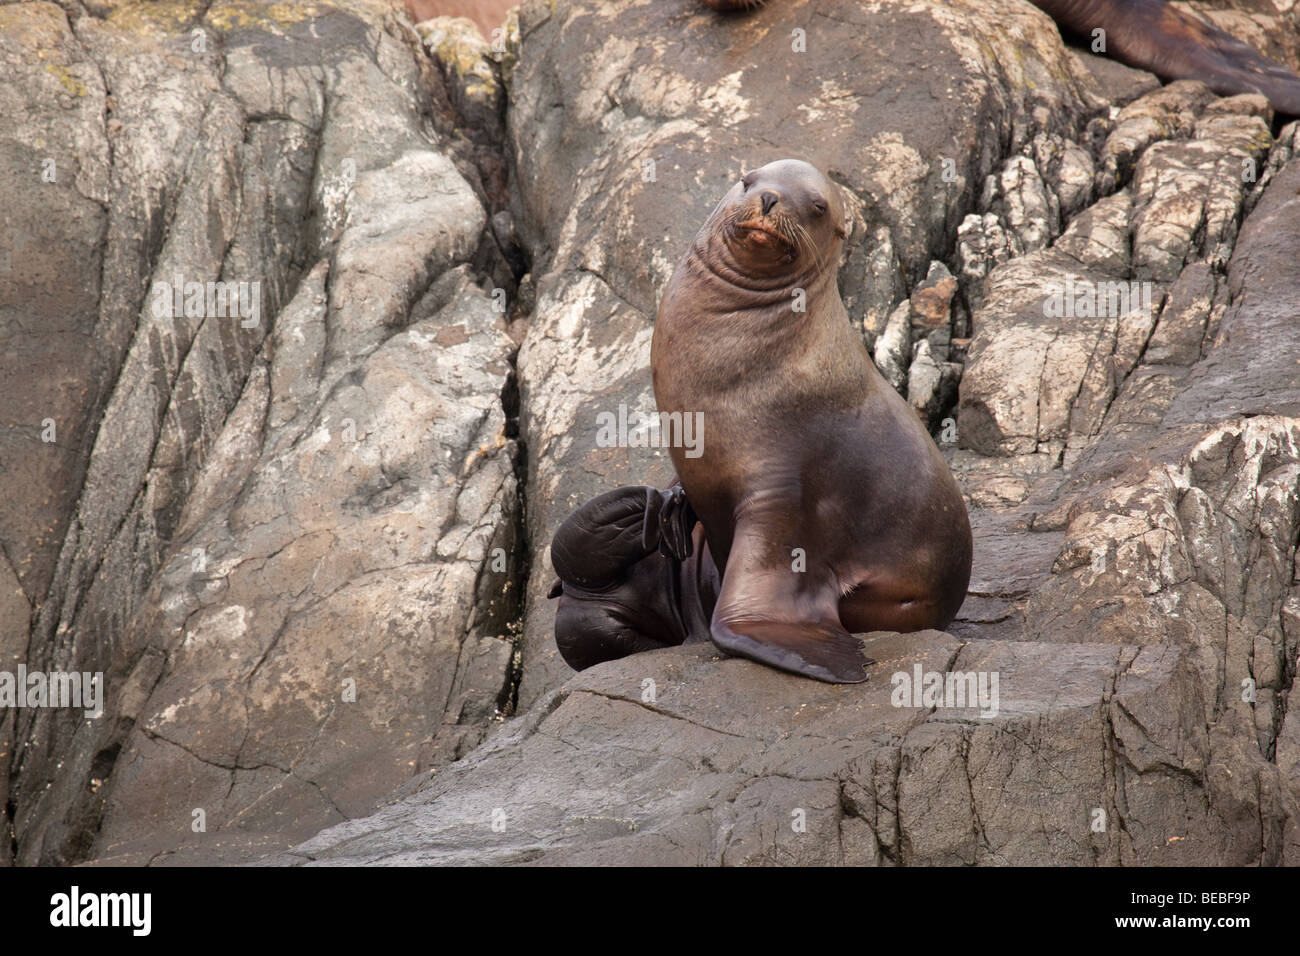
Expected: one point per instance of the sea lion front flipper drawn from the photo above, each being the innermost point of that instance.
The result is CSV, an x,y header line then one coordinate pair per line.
x,y
782,618
828,653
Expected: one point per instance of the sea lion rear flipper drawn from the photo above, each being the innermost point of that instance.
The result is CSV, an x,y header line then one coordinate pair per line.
x,y
670,526
604,537
782,618
1190,47
1175,45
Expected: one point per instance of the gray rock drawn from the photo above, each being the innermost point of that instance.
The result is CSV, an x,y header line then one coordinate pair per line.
x,y
1069,170
1023,203
60,333
894,348
717,769
273,503
1117,497
982,244
1180,336
1118,84
1166,113
703,774
235,520
871,300
931,384
1059,330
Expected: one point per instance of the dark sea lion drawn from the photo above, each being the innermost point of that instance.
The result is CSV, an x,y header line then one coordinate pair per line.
x,y
822,497
634,575
1152,35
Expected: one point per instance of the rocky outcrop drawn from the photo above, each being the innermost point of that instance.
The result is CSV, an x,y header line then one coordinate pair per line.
x,y
1059,330
691,760
784,772
310,552
1142,633
1135,528
287,535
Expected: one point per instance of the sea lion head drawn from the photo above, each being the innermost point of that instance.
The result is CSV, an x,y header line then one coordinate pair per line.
x,y
785,216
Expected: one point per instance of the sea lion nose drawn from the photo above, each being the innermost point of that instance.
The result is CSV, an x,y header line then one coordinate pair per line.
x,y
769,200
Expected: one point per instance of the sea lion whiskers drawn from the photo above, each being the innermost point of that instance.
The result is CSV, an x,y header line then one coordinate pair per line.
x,y
725,251
806,242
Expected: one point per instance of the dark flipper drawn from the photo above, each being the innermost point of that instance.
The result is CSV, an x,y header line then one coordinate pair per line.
x,y
669,522
1174,45
783,618
604,537
623,560
590,632
826,652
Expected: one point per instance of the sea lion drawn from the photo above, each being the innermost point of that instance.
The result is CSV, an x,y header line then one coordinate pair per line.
x,y
1152,35
823,499
823,505
634,574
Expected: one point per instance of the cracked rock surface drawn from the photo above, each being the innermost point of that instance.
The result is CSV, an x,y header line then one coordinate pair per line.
x,y
244,520
1132,477
237,521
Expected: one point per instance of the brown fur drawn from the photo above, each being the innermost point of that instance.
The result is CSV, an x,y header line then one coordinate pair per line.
x,y
805,446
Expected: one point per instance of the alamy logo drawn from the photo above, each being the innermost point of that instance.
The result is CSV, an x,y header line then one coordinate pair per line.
x,y
634,429
1083,300
103,909
203,300
55,689
953,689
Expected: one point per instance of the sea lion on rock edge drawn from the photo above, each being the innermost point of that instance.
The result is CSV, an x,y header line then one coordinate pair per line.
x,y
634,575
1152,35
829,504
822,497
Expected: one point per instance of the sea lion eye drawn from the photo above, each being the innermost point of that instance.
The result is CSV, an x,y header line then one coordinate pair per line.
x,y
819,206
